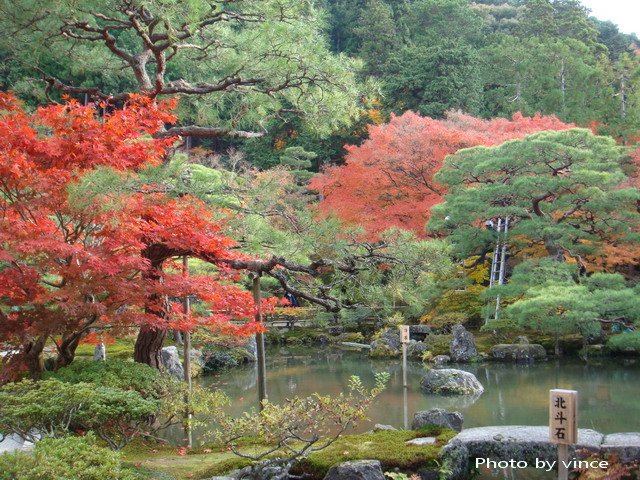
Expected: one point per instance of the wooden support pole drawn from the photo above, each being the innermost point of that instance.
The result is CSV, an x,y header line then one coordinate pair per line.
x,y
261,360
405,409
563,425
563,461
404,366
186,305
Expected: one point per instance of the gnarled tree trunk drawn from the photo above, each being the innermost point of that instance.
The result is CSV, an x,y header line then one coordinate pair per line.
x,y
150,339
67,349
149,346
32,355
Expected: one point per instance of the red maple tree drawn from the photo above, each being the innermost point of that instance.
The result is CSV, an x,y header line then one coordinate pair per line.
x,y
70,266
388,180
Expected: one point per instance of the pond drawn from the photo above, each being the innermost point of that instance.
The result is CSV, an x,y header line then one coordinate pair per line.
x,y
609,391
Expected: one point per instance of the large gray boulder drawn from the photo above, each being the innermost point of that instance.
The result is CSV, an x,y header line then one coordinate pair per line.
x,y
387,344
449,381
463,346
438,417
356,470
419,332
506,443
518,352
440,359
171,362
415,350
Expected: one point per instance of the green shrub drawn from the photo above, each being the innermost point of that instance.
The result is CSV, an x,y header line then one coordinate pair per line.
x,y
122,374
625,342
68,458
169,394
53,409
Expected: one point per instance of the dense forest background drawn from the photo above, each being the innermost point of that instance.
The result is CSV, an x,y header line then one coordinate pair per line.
x,y
488,58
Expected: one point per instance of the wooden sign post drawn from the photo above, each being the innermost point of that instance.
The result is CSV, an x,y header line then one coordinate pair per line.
x,y
404,339
563,426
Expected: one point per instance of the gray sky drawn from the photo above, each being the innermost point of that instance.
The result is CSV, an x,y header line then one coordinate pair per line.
x,y
625,13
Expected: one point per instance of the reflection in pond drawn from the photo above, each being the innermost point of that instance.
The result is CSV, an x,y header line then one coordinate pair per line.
x,y
514,394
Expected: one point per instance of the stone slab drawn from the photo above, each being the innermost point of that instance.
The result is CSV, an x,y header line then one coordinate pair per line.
x,y
625,444
418,442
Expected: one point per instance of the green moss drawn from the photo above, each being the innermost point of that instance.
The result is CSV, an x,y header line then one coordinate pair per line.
x,y
438,344
226,466
383,351
387,446
122,349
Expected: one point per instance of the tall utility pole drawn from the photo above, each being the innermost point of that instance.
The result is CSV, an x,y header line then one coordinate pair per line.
x,y
186,305
261,360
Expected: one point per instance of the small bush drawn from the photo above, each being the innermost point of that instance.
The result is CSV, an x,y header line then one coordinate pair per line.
x,y
625,342
54,409
122,374
68,458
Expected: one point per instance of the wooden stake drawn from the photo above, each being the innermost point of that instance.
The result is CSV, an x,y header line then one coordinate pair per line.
x,y
563,461
404,366
261,360
186,305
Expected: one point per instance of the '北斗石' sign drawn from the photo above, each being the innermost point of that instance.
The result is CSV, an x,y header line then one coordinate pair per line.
x,y
563,406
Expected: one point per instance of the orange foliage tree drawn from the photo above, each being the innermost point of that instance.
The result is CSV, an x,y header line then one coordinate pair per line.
x,y
72,264
388,180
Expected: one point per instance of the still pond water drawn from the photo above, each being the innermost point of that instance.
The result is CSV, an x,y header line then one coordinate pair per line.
x,y
609,392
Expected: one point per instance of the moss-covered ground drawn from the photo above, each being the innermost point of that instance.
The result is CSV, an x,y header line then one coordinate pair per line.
x,y
170,463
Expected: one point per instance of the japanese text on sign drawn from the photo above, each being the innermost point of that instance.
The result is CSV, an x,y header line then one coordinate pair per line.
x,y
404,333
563,427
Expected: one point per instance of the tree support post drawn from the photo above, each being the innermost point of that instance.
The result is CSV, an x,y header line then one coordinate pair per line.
x,y
261,360
186,305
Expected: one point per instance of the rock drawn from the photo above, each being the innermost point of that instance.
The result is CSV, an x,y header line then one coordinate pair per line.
x,y
217,357
438,417
387,344
419,442
362,346
506,443
391,338
594,351
335,329
440,359
522,340
449,381
454,461
356,470
626,445
100,353
197,363
415,350
252,349
171,362
351,337
378,427
419,332
518,352
463,346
